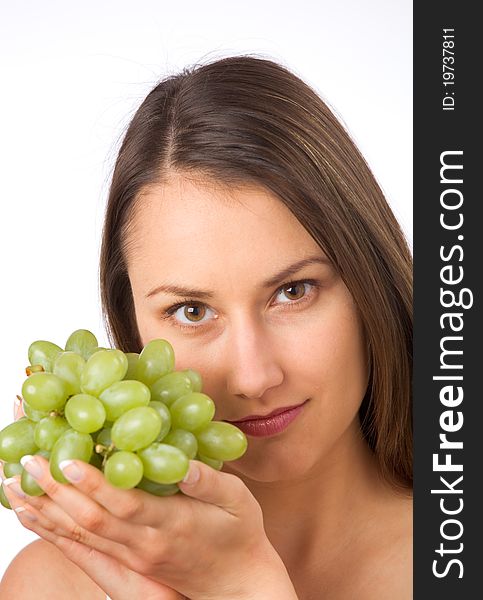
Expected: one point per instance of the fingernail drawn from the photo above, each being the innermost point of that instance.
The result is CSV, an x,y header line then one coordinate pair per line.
x,y
31,466
70,470
192,475
13,485
25,513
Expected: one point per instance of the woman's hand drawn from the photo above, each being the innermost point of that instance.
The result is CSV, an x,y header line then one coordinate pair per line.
x,y
208,543
118,581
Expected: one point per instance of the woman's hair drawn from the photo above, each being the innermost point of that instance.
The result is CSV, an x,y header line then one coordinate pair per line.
x,y
248,120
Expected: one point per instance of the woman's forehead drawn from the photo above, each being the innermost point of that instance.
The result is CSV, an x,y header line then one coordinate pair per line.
x,y
185,219
193,236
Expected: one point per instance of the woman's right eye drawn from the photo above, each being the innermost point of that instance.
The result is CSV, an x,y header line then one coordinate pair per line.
x,y
188,314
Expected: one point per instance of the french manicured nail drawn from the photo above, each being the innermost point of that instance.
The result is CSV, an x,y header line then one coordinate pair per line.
x,y
31,466
192,475
25,513
70,470
13,485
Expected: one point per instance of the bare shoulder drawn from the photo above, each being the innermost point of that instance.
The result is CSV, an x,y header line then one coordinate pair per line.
x,y
373,563
40,571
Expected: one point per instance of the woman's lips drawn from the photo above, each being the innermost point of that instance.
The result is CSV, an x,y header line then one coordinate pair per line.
x,y
271,424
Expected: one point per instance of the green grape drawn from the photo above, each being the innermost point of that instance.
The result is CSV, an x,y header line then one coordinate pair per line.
x,y
28,483
124,470
170,387
48,431
195,378
44,391
102,369
146,420
222,441
81,342
43,353
32,414
69,366
136,428
94,350
3,499
155,360
85,413
192,411
11,469
17,439
132,361
104,437
122,396
164,463
158,489
212,462
184,440
165,415
71,445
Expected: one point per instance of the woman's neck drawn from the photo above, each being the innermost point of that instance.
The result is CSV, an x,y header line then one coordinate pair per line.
x,y
320,514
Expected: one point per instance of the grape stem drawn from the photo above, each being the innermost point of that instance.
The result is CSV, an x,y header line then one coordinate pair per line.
x,y
33,369
106,451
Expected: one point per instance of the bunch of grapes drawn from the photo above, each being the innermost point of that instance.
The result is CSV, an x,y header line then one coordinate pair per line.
x,y
130,415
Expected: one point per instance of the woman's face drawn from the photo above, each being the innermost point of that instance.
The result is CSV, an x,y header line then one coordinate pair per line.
x,y
260,339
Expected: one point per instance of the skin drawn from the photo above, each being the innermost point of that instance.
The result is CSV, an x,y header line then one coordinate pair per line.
x,y
309,504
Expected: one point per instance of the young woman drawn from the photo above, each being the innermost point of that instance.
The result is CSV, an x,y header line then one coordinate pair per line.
x,y
244,226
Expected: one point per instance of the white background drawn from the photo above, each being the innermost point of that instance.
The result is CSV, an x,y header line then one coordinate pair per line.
x,y
72,75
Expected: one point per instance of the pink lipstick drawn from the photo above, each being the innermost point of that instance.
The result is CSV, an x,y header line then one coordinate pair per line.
x,y
275,422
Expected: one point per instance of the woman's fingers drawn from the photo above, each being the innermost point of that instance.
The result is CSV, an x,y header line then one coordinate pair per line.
x,y
87,481
53,525
87,515
130,509
222,489
91,524
54,519
119,582
27,514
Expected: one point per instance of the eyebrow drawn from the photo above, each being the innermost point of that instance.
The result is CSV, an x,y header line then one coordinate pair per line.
x,y
177,290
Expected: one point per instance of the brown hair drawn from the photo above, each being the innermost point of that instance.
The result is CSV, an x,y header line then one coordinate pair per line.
x,y
246,119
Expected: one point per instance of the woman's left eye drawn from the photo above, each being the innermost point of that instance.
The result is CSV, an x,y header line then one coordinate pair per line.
x,y
294,291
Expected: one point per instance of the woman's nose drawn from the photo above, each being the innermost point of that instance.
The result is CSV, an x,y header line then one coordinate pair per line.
x,y
251,361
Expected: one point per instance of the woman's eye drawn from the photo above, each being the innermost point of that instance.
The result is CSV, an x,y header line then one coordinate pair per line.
x,y
293,291
191,313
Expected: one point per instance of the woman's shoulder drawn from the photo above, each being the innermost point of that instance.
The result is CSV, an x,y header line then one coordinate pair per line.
x,y
40,571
